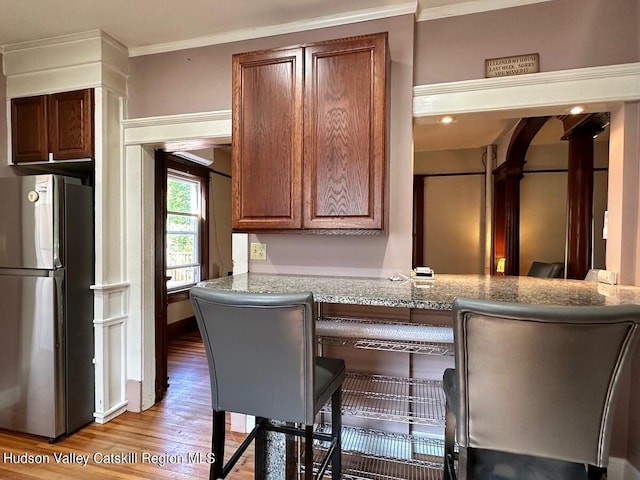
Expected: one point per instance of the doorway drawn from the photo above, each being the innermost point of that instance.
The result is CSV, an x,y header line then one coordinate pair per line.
x,y
182,243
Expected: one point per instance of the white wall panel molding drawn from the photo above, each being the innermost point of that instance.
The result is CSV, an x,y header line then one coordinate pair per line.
x,y
190,126
551,91
139,215
112,289
86,60
110,316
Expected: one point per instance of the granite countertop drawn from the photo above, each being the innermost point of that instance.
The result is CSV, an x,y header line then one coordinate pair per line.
x,y
436,294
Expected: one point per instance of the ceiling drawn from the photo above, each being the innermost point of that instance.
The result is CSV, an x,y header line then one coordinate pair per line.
x,y
143,23
149,26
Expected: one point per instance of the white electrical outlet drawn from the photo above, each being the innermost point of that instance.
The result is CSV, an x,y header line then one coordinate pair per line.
x,y
258,251
607,276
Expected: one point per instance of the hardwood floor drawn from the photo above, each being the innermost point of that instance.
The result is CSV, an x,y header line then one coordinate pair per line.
x,y
160,443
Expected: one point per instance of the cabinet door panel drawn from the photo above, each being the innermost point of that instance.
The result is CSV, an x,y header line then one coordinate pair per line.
x,y
29,136
345,130
267,140
71,125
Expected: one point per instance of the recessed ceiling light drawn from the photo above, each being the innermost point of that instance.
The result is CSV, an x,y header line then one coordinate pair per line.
x,y
447,119
576,110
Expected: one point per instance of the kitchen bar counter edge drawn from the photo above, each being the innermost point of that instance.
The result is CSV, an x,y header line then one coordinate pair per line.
x,y
435,294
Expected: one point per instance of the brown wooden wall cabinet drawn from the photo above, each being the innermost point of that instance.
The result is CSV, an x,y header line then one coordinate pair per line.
x,y
55,127
310,136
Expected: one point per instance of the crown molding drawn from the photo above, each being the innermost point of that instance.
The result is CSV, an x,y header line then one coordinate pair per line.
x,y
408,8
68,62
65,39
470,7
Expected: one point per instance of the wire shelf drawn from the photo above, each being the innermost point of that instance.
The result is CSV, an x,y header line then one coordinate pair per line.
x,y
407,400
386,336
377,455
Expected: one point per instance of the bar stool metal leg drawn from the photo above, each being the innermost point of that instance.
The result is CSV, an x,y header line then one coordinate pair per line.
x,y
596,473
336,433
260,451
217,445
308,452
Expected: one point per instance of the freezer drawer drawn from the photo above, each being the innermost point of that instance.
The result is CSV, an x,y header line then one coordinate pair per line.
x,y
31,378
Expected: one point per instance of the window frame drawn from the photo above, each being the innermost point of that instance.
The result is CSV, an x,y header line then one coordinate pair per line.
x,y
179,167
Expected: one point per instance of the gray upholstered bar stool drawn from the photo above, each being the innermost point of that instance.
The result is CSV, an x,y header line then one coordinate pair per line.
x,y
546,270
534,388
261,351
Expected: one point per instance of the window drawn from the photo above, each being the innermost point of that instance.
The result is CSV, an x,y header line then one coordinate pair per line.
x,y
184,230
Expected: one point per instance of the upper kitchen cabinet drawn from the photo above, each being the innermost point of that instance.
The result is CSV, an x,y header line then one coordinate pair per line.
x,y
267,140
55,127
310,136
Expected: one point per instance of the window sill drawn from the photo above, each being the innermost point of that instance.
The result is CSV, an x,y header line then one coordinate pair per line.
x,y
178,295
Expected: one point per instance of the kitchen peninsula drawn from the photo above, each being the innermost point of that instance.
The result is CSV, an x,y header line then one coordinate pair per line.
x,y
396,339
436,294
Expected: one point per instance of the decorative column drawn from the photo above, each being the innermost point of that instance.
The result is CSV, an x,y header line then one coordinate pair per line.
x,y
507,216
506,203
579,131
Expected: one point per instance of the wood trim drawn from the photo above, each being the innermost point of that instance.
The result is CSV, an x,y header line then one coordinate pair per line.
x,y
506,204
161,381
418,220
178,296
580,131
186,325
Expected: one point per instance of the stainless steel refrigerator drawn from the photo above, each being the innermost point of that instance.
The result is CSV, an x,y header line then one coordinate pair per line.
x,y
46,305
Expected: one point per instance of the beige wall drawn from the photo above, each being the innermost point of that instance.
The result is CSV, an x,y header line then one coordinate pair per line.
x,y
454,223
566,33
543,214
199,79
179,311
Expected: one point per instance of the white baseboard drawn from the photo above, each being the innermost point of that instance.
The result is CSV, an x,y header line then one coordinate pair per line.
x,y
621,469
